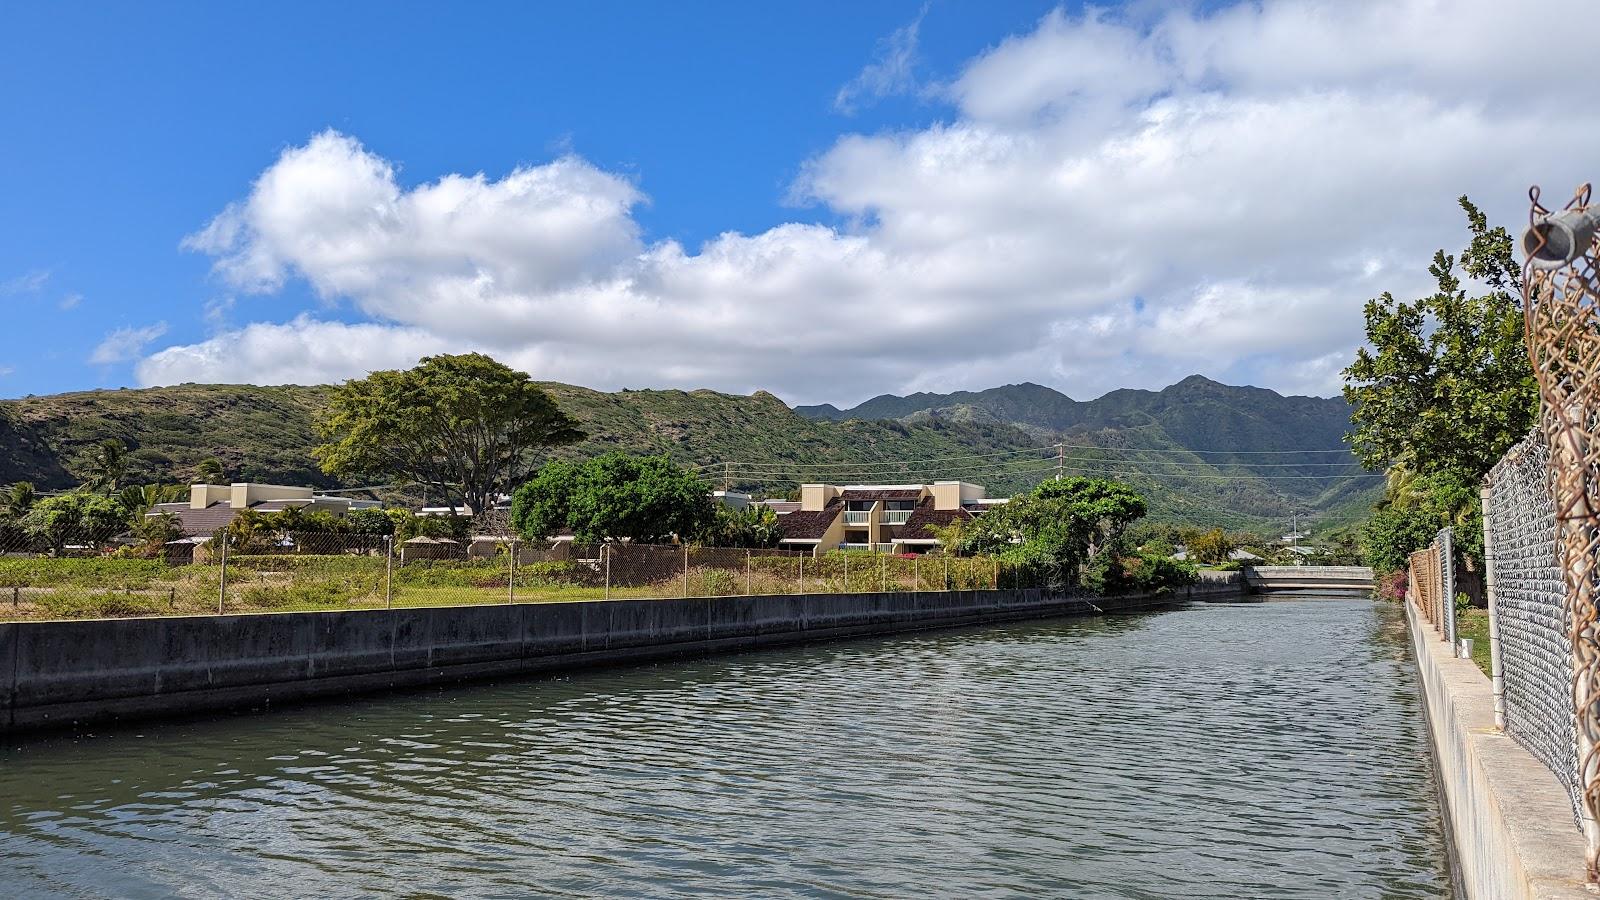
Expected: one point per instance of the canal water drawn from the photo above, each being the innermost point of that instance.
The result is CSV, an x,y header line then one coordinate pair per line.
x,y
1237,751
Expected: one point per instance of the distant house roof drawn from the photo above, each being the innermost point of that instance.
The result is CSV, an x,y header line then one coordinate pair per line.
x,y
880,493
199,522
782,507
925,516
809,525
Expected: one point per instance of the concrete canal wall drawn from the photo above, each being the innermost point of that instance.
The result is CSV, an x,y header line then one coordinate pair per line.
x,y
1510,822
58,674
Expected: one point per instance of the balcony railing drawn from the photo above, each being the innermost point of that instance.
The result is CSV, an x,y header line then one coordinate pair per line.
x,y
858,517
875,548
896,516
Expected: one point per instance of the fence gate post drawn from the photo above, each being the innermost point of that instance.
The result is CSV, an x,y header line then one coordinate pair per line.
x,y
222,585
388,571
511,575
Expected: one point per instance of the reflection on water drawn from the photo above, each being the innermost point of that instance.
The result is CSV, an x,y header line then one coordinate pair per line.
x,y
1263,750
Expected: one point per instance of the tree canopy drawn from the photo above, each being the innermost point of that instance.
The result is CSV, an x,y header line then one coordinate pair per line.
x,y
78,516
1057,527
1446,384
466,423
1443,391
614,496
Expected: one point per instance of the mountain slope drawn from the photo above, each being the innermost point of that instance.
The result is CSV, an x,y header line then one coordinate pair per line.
x,y
1002,438
1244,451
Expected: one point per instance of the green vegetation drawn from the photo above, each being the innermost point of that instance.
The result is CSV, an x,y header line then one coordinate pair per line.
x,y
230,432
1444,391
467,424
1474,624
648,500
1072,533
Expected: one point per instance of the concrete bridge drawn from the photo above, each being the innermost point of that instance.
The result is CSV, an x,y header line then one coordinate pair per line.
x,y
1338,581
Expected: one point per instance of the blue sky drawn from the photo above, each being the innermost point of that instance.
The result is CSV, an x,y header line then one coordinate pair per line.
x,y
948,200
128,127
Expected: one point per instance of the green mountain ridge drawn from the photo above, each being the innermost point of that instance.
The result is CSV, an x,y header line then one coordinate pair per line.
x,y
1002,438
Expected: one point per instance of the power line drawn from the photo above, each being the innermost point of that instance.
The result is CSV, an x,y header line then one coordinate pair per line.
x,y
857,467
736,468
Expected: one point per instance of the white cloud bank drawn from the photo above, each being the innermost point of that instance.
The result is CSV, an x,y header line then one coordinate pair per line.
x,y
1113,203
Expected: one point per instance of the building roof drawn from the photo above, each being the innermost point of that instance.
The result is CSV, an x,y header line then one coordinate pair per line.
x,y
782,507
894,493
200,522
809,524
925,515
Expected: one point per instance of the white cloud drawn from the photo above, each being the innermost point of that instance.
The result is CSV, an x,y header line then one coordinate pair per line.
x,y
7,370
891,72
126,344
301,351
26,283
1114,203
70,301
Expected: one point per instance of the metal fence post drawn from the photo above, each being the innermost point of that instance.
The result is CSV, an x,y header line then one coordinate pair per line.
x,y
511,575
802,572
388,571
686,571
846,572
605,558
1496,675
916,572
947,571
748,584
883,572
222,584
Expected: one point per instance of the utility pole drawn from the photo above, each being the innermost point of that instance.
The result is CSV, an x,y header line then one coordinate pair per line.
x,y
727,476
1061,458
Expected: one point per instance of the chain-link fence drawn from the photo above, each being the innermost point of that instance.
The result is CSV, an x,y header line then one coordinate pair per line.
x,y
299,571
1433,584
1528,609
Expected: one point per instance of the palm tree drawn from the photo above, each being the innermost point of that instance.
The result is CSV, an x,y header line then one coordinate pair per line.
x,y
209,471
107,462
18,500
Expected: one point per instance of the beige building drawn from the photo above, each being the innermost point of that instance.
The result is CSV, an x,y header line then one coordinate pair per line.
x,y
889,518
211,507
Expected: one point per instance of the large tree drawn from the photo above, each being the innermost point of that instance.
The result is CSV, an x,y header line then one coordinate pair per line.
x,y
646,499
466,424
1440,394
1057,527
77,517
1446,384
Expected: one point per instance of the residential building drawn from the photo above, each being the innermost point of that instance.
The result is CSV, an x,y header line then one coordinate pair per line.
x,y
211,507
891,518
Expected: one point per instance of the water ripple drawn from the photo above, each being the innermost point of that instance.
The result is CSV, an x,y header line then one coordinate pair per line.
x,y
1271,750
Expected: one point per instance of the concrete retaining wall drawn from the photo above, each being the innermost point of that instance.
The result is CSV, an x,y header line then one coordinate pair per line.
x,y
55,674
1510,822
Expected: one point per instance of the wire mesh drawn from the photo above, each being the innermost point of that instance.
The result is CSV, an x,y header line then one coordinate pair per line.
x,y
1531,616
